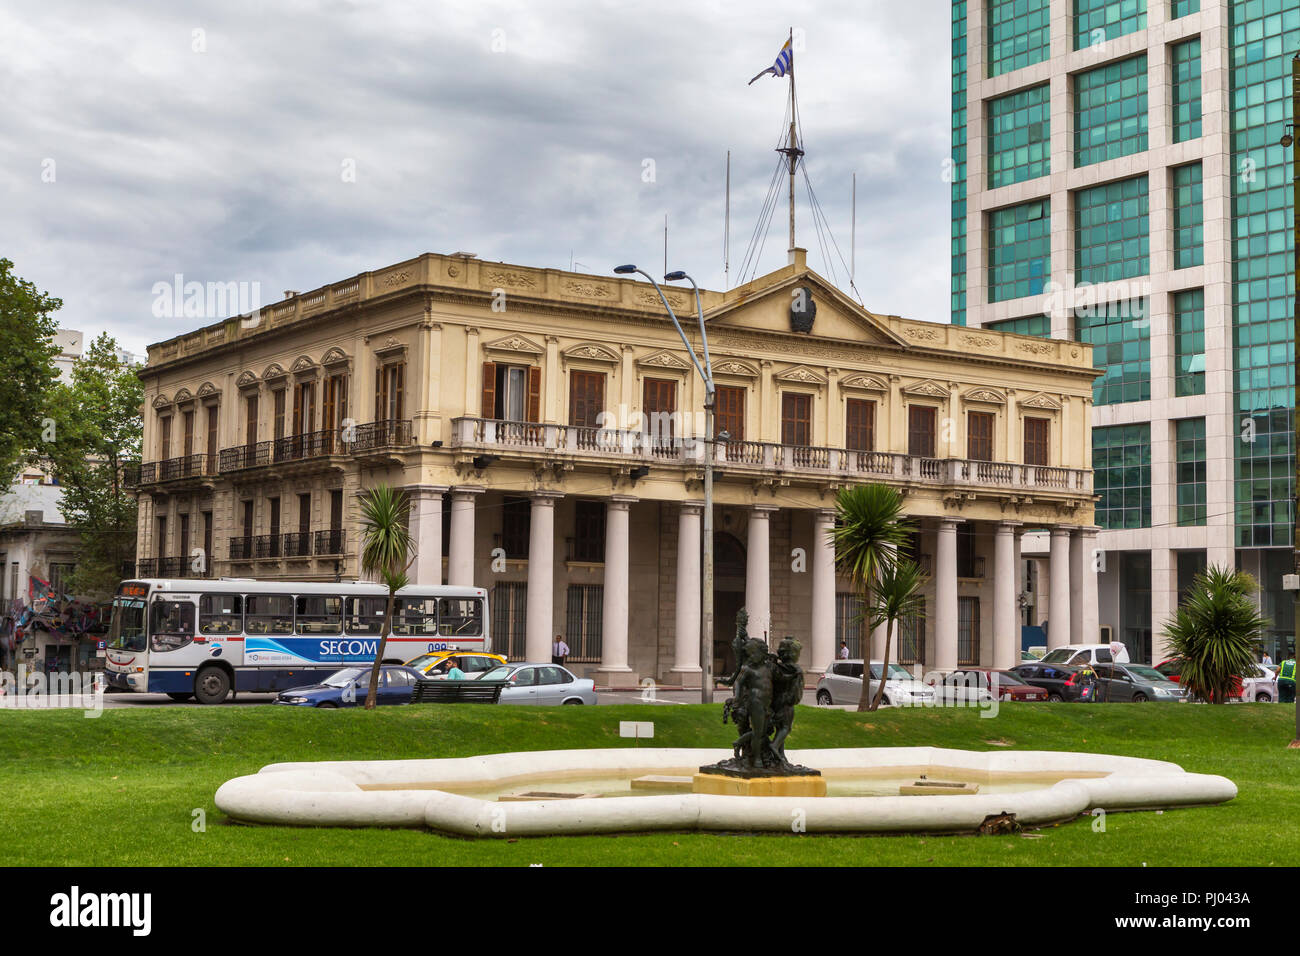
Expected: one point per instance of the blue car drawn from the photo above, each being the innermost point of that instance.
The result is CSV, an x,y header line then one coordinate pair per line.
x,y
348,688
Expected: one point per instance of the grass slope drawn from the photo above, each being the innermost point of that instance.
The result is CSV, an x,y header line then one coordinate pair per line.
x,y
123,789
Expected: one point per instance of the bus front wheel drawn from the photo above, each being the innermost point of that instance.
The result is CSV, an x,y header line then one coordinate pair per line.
x,y
212,686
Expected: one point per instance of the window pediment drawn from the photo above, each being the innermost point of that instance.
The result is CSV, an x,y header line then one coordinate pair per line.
x,y
928,388
664,359
246,380
274,371
868,383
590,352
518,344
734,367
987,396
1042,401
802,375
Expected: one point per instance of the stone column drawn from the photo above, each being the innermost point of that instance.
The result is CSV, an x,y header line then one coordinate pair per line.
x,y
460,553
426,533
1076,587
1058,597
1090,631
541,576
1006,626
686,640
613,655
818,657
758,600
945,595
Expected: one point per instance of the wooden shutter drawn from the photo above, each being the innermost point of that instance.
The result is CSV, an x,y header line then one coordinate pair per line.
x,y
489,409
189,434
586,398
534,394
860,425
399,392
380,371
796,419
729,411
660,399
212,434
251,428
979,436
1037,432
297,409
920,431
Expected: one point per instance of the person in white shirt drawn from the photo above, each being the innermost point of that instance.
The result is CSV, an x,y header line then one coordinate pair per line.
x,y
844,650
1267,661
559,651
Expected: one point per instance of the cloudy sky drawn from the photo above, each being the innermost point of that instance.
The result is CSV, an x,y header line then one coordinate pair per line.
x,y
292,144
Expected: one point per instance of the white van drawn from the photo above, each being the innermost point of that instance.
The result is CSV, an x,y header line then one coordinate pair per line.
x,y
1113,653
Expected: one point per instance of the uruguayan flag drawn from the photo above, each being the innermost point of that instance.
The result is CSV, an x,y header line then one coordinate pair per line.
x,y
784,63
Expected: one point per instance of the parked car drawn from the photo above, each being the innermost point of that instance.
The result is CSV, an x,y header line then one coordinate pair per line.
x,y
1136,683
1114,652
544,684
965,686
1172,669
842,684
1010,686
472,663
1259,684
1061,681
348,688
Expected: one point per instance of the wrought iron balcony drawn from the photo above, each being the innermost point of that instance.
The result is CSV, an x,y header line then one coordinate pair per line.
x,y
267,546
330,542
146,568
297,544
373,436
353,440
241,548
743,458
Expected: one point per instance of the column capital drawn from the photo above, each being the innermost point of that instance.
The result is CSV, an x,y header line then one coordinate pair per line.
x,y
763,510
825,514
692,507
467,490
414,490
1089,530
1008,525
546,498
620,502
949,524
1062,530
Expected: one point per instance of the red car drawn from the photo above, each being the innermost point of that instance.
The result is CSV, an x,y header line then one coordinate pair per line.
x,y
1173,667
1010,686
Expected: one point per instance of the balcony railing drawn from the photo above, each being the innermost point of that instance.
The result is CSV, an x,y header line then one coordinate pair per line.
x,y
267,546
297,544
146,568
330,542
241,548
355,439
747,456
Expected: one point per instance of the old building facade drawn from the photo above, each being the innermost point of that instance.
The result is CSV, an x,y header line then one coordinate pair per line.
x,y
546,427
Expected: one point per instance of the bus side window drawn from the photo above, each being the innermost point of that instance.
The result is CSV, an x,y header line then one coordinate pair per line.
x,y
460,617
220,613
270,614
365,615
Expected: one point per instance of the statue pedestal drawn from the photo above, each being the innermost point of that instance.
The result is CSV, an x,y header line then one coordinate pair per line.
x,y
729,786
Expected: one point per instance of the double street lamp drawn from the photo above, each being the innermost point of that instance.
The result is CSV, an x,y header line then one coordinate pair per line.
x,y
706,373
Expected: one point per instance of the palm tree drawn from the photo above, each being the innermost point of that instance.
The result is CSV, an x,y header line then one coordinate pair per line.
x,y
385,545
868,532
1215,632
898,595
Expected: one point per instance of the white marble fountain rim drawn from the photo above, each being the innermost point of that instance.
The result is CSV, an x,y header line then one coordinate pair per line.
x,y
329,793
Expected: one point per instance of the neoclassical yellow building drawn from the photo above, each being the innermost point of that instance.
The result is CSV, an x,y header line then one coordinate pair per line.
x,y
546,425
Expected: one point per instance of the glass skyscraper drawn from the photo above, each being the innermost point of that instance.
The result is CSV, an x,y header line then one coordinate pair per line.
x,y
1117,180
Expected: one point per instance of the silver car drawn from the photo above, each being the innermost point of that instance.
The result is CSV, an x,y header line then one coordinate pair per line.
x,y
543,684
842,684
1135,682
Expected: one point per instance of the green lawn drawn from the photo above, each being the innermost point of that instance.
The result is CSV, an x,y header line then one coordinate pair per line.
x,y
122,789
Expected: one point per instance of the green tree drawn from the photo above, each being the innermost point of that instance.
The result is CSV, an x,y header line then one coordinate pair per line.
x,y
27,372
898,595
1216,632
386,542
868,533
96,439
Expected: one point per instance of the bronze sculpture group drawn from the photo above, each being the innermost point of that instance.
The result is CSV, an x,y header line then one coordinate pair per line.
x,y
765,688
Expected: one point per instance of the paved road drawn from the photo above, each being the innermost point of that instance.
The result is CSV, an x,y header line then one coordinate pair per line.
x,y
662,698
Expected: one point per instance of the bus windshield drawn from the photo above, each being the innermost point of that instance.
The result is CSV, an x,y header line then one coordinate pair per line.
x,y
127,630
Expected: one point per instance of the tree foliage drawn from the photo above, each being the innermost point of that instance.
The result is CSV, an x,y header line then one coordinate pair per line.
x,y
97,436
898,595
868,533
27,371
386,544
1216,633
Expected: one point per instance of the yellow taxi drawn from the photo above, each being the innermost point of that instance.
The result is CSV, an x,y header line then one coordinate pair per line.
x,y
473,663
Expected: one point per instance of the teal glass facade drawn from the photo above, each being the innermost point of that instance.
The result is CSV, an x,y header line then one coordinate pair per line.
x,y
1121,462
1020,250
1018,33
1185,89
1096,20
1111,236
1264,36
1110,111
1037,325
1189,342
1180,8
1189,471
1189,249
1019,133
957,240
1120,336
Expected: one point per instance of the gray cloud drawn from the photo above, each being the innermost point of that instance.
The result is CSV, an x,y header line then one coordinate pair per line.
x,y
226,165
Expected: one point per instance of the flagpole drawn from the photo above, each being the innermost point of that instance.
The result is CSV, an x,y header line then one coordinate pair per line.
x,y
792,145
726,232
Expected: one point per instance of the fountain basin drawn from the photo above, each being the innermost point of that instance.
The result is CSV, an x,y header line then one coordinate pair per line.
x,y
458,795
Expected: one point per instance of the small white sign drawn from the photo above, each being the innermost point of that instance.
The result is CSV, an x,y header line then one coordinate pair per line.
x,y
640,729
1291,582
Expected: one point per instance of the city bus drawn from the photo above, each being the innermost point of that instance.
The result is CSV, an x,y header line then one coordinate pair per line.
x,y
201,639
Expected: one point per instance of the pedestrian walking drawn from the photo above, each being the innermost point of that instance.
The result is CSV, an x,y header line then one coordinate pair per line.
x,y
559,651
844,650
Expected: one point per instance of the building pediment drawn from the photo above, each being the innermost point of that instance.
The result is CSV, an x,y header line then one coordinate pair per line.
x,y
928,388
162,401
208,390
1042,400
274,371
988,396
590,352
184,395
335,356
664,359
869,383
517,344
303,364
734,367
803,375
246,380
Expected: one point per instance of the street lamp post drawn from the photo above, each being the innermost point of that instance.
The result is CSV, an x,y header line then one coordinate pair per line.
x,y
1288,140
706,373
